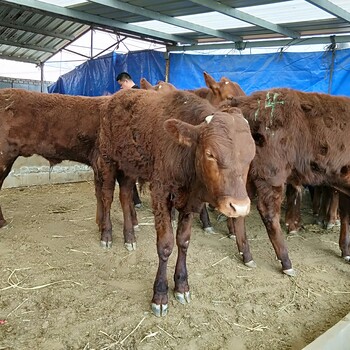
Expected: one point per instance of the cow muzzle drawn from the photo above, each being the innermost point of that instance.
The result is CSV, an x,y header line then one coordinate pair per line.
x,y
233,208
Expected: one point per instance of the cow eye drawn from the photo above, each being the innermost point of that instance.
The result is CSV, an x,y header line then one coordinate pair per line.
x,y
209,154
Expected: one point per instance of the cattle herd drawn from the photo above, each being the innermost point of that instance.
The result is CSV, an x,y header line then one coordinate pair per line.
x,y
211,145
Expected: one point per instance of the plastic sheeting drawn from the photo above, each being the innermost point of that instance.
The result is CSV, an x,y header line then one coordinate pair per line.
x,y
302,71
313,71
97,77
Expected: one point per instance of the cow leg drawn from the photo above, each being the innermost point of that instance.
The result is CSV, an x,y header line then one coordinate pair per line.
x,y
136,197
205,220
344,238
165,245
183,235
269,207
5,168
98,195
332,214
237,226
316,200
104,189
324,207
293,210
126,186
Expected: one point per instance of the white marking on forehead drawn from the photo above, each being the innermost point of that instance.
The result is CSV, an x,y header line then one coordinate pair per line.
x,y
209,118
160,86
226,82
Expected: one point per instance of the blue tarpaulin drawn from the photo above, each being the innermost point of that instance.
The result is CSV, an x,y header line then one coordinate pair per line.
x,y
97,77
302,71
313,71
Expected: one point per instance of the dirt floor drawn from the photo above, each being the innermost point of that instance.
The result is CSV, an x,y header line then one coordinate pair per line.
x,y
60,290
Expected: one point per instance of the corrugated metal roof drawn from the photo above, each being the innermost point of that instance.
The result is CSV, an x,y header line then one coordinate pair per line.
x,y
29,36
33,31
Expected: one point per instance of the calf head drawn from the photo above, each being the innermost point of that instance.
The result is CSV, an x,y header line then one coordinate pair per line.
x,y
223,90
161,86
223,148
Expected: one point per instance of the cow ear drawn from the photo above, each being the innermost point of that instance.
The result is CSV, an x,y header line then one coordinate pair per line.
x,y
183,133
144,84
210,81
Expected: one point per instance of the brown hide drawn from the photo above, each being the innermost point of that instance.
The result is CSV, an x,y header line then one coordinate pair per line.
x,y
57,127
302,137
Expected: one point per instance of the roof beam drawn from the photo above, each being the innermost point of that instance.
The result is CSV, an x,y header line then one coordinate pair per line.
x,y
232,12
18,59
264,43
86,18
331,8
166,19
31,29
26,46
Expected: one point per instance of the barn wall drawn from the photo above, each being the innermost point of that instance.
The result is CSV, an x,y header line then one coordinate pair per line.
x,y
35,170
28,84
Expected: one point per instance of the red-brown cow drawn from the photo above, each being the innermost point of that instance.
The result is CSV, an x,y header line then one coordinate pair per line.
x,y
56,127
300,138
215,93
219,91
189,153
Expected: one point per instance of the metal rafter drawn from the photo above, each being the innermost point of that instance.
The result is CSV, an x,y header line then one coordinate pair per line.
x,y
34,30
26,46
18,59
82,17
331,8
263,43
232,12
166,19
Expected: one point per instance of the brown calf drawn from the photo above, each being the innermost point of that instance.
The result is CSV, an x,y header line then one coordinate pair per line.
x,y
189,153
56,127
300,138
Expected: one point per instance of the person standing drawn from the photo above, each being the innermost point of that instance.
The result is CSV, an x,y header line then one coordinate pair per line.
x,y
125,81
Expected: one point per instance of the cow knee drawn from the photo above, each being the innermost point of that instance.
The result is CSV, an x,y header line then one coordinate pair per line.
x,y
164,251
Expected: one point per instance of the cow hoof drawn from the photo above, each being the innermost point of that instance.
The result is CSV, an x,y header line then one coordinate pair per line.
x,y
209,230
232,236
250,263
130,246
182,298
106,245
347,258
329,226
290,272
3,223
137,228
159,310
292,232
